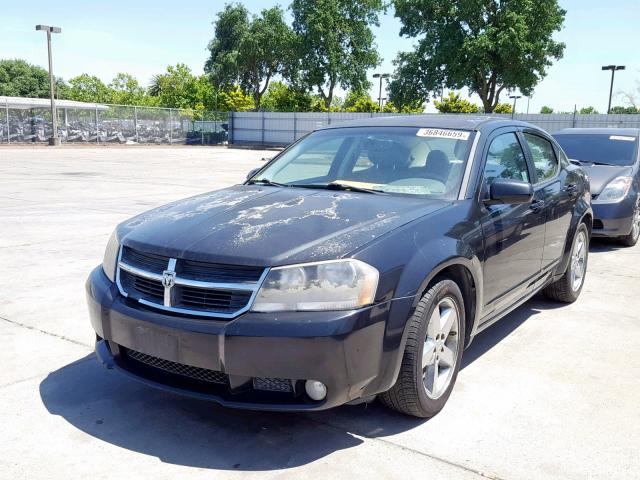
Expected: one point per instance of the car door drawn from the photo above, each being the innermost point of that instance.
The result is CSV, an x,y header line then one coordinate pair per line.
x,y
557,193
513,234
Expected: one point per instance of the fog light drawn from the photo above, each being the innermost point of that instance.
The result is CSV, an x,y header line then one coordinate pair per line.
x,y
315,389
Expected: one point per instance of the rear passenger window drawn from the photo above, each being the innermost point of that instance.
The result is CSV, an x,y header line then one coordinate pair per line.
x,y
506,160
544,158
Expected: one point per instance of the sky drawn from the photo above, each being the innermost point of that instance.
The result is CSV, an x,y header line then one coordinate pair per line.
x,y
143,37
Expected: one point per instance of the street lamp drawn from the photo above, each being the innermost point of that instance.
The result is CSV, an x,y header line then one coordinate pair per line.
x,y
613,69
515,99
380,76
54,140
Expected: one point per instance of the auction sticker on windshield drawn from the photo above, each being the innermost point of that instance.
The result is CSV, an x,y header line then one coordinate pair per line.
x,y
443,133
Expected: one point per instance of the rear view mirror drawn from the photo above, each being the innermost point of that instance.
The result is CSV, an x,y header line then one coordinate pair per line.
x,y
510,192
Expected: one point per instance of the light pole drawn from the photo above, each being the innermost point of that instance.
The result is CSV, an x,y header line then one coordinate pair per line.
x,y
515,99
54,140
613,69
380,76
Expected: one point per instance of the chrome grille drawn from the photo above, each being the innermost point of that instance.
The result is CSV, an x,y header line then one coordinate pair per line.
x,y
206,299
147,261
196,373
187,286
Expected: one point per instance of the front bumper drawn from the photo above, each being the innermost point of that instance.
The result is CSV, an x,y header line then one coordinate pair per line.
x,y
613,219
356,354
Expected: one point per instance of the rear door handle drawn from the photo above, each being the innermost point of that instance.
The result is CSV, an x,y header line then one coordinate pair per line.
x,y
537,205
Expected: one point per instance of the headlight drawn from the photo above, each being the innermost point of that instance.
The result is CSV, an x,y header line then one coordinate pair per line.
x,y
615,190
111,256
333,285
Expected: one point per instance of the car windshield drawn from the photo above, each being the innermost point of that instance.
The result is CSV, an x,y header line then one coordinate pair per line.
x,y
385,160
601,148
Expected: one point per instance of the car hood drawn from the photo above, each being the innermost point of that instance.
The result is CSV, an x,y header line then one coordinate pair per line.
x,y
601,175
269,226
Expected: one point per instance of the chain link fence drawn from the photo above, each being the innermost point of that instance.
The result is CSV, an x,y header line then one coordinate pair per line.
x,y
123,124
118,124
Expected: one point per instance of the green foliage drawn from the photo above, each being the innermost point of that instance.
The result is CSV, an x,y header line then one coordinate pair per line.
x,y
502,108
124,89
546,110
88,88
21,79
249,51
624,110
588,110
487,46
179,88
335,44
453,103
280,97
363,104
234,99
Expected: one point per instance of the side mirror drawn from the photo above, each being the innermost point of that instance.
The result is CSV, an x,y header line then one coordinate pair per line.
x,y
510,192
252,173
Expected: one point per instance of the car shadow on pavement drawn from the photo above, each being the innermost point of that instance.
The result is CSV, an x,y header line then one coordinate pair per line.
x,y
196,433
603,245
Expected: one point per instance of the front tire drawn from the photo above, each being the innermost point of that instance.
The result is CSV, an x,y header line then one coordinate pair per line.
x,y
567,289
432,355
631,239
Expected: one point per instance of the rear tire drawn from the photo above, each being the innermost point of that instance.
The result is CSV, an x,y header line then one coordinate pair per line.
x,y
567,289
432,355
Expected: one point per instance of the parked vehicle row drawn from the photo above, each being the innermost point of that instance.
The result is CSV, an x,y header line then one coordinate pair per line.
x,y
358,263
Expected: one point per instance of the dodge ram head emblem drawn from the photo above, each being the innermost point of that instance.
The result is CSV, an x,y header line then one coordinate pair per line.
x,y
168,278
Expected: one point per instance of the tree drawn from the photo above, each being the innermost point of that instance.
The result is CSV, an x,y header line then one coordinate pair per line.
x,y
588,110
487,46
502,108
249,51
360,102
21,79
234,99
124,89
335,44
280,97
179,88
624,110
546,110
453,103
88,88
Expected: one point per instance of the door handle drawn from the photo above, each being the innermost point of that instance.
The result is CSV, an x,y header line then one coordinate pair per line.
x,y
537,205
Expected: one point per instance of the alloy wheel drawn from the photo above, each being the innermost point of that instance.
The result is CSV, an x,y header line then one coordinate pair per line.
x,y
578,261
440,351
635,226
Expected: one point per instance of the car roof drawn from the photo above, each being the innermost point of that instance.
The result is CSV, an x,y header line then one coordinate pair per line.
x,y
599,131
436,120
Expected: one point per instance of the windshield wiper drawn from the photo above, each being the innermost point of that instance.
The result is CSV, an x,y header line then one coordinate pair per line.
x,y
591,163
341,186
264,181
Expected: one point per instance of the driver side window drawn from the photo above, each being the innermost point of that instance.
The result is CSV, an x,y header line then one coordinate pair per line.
x,y
505,159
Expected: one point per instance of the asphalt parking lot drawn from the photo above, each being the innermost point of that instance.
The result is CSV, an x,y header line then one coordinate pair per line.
x,y
552,391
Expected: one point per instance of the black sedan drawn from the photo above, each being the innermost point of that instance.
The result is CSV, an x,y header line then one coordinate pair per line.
x,y
611,158
359,262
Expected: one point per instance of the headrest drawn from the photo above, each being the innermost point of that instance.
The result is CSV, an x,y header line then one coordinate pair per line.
x,y
437,161
387,154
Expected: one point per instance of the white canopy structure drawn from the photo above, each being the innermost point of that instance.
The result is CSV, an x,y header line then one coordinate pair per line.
x,y
26,103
